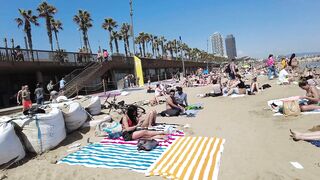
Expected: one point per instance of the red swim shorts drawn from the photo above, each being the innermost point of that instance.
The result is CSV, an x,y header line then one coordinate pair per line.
x,y
27,104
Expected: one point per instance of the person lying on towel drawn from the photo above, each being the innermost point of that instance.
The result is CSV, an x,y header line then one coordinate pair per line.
x,y
172,107
132,121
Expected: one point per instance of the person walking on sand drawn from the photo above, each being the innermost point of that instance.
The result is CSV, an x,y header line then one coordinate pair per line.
x,y
62,83
26,101
19,95
50,86
39,94
272,72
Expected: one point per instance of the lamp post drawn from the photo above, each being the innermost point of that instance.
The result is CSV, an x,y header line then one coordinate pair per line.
x,y
183,67
132,32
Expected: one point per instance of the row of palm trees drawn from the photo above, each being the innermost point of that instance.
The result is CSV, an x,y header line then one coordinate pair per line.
x,y
27,19
160,46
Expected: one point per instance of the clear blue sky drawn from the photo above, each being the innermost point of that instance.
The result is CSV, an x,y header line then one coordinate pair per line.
x,y
260,26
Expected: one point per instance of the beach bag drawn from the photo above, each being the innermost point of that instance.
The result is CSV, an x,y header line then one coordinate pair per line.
x,y
147,145
291,108
109,128
11,149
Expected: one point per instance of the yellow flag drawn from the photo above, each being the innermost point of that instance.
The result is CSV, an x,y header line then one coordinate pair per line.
x,y
139,71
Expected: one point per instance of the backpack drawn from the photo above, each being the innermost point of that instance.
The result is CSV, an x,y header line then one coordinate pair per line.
x,y
147,145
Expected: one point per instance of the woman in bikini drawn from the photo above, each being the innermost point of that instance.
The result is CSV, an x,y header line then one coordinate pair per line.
x,y
131,122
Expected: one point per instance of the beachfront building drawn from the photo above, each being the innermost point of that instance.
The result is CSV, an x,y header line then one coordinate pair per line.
x,y
80,71
231,49
217,44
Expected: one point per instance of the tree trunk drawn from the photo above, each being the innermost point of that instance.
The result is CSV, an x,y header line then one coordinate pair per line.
x,y
29,36
140,48
128,45
144,49
84,39
117,46
163,50
171,52
57,41
49,31
110,42
125,46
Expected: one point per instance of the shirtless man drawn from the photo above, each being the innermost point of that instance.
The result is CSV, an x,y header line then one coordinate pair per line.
x,y
172,107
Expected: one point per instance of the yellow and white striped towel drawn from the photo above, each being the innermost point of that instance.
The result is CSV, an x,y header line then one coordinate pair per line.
x,y
190,158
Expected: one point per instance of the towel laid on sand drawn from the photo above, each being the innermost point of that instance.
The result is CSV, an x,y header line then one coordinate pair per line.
x,y
190,158
117,153
111,156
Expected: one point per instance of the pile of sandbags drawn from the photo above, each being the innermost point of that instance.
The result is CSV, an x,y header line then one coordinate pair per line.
x,y
11,148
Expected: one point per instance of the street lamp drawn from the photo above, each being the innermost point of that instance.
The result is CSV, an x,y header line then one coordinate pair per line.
x,y
183,67
132,33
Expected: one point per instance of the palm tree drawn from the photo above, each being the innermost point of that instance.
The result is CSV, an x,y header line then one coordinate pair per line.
x,y
162,44
142,37
170,47
47,12
27,19
109,24
125,28
116,36
84,21
147,39
56,25
139,41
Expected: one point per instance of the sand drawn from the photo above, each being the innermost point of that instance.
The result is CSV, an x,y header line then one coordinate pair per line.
x,y
257,145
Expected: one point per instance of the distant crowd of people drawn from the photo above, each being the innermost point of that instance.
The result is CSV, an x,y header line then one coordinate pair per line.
x,y
24,95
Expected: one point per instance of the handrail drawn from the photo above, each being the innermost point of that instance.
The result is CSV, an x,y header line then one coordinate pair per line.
x,y
85,70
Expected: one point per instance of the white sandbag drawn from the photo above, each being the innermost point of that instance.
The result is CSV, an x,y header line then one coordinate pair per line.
x,y
62,99
74,116
43,132
94,123
10,145
94,107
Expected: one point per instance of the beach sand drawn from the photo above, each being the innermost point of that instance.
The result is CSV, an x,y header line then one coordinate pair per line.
x,y
258,145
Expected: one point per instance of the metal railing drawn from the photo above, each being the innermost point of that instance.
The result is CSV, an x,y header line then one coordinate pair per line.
x,y
16,55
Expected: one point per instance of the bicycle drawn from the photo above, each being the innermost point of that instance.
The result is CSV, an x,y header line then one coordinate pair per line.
x,y
114,105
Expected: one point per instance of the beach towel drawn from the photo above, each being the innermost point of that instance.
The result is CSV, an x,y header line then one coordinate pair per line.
x,y
117,153
190,158
237,95
112,156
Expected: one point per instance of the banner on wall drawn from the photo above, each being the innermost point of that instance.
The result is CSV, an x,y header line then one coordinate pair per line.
x,y
139,71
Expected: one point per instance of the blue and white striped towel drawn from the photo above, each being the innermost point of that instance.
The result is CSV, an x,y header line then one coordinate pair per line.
x,y
114,156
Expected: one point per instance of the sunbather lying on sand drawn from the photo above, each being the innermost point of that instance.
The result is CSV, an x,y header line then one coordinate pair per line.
x,y
305,136
312,94
132,121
